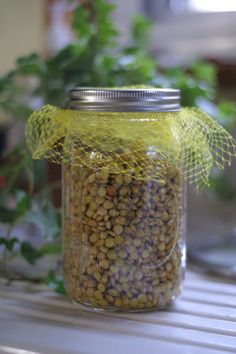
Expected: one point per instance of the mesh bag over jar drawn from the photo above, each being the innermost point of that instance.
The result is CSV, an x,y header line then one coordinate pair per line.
x,y
125,155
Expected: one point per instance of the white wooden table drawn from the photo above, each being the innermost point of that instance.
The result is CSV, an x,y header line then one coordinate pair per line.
x,y
201,321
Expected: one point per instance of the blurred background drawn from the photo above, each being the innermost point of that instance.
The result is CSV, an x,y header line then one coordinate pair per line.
x,y
50,46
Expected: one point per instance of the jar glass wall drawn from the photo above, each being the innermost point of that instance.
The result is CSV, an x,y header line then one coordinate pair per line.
x,y
123,237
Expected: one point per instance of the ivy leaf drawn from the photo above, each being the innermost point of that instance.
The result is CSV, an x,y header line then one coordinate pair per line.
x,y
105,30
223,187
204,72
226,114
17,110
23,204
31,64
8,243
32,254
55,283
29,252
23,201
80,23
7,215
50,248
140,30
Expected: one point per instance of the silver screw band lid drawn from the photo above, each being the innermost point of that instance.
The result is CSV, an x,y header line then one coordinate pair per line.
x,y
125,100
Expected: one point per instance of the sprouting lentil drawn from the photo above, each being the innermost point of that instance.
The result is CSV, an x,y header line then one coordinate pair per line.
x,y
121,250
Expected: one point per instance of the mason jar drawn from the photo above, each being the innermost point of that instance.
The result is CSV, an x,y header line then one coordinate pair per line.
x,y
123,208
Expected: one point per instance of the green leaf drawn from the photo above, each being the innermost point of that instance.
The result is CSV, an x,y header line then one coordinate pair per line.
x,y
93,26
29,252
203,71
6,82
55,282
140,30
50,248
23,202
106,33
31,64
138,69
8,243
80,24
226,114
223,187
7,215
13,166
103,8
16,109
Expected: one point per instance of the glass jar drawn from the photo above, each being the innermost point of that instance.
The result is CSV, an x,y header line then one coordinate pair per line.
x,y
123,211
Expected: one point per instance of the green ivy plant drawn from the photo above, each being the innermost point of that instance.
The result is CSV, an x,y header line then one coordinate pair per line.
x,y
19,205
93,59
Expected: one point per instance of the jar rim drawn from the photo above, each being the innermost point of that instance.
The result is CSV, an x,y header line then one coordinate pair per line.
x,y
125,99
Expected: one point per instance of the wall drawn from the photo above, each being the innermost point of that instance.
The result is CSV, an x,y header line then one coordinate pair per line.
x,y
21,30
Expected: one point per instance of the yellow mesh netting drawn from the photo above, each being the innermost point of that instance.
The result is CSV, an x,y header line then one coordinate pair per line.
x,y
141,144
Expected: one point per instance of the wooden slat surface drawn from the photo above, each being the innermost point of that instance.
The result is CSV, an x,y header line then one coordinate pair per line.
x,y
202,320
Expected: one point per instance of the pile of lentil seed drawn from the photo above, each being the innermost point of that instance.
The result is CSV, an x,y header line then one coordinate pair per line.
x,y
122,239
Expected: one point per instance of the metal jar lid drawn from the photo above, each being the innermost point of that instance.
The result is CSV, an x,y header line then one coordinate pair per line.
x,y
125,100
